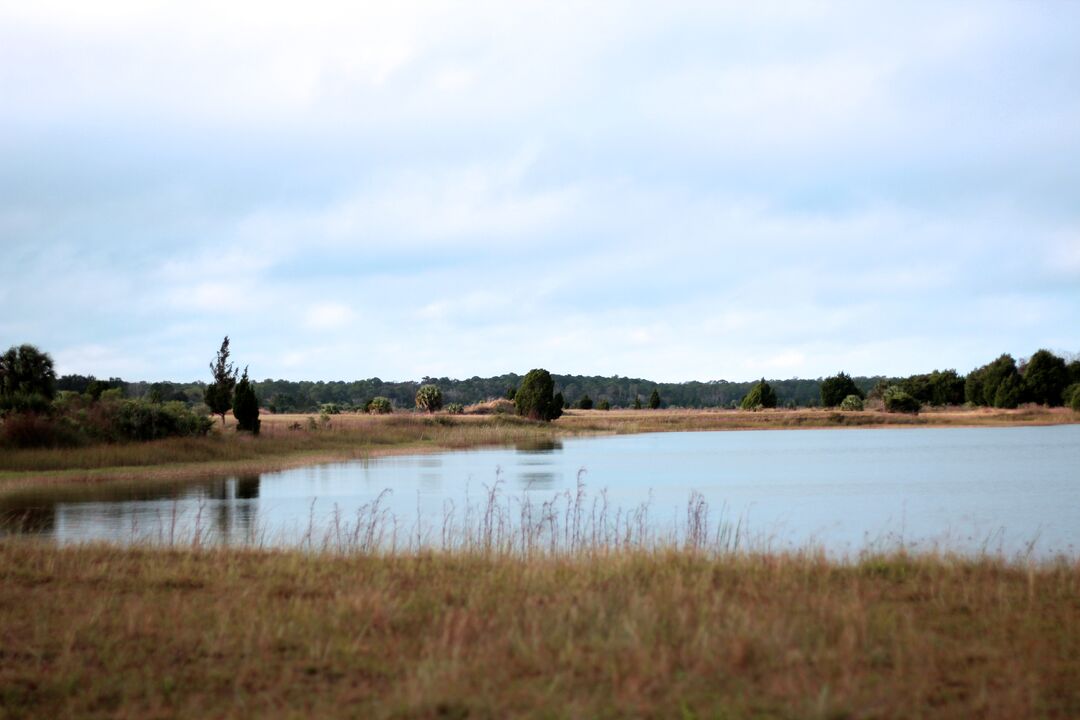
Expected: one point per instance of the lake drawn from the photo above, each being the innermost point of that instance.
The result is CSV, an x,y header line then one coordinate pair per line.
x,y
1014,491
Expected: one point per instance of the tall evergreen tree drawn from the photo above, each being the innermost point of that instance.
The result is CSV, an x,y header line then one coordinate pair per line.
x,y
536,397
654,399
246,406
219,394
760,396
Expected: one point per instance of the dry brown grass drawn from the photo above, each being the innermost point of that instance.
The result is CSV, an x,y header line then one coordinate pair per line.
x,y
96,632
635,421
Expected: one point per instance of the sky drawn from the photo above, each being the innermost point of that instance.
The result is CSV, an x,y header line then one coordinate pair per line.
x,y
675,191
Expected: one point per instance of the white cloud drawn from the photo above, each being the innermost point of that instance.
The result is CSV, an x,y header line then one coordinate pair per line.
x,y
329,316
687,190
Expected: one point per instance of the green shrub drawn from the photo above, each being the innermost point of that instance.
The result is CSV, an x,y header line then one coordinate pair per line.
x,y
851,402
1075,402
896,400
380,406
142,420
455,409
429,398
604,405
536,398
760,396
330,408
585,403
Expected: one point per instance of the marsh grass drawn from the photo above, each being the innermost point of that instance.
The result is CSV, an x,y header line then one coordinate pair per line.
x,y
97,631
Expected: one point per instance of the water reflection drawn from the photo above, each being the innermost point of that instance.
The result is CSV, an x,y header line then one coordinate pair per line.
x,y
220,510
539,446
537,480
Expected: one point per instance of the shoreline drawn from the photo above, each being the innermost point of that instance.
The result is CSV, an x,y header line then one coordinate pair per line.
x,y
361,437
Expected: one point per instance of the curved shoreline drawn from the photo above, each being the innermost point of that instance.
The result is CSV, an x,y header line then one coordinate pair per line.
x,y
362,437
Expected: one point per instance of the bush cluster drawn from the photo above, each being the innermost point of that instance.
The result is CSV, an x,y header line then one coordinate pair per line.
x,y
379,406
429,398
851,402
897,400
78,421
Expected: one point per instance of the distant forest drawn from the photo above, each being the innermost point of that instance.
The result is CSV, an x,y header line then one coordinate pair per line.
x,y
288,396
1044,377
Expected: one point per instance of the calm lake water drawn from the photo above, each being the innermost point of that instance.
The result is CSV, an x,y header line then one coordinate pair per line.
x,y
1001,490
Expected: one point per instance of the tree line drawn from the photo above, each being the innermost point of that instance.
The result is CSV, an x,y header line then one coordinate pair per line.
x,y
1045,378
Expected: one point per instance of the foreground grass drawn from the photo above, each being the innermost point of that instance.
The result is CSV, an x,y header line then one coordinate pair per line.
x,y
97,631
293,440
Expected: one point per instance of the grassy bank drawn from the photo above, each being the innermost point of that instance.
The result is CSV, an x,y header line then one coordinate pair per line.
x,y
345,437
96,631
292,440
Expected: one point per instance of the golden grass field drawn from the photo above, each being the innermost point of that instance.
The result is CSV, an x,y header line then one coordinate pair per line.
x,y
138,633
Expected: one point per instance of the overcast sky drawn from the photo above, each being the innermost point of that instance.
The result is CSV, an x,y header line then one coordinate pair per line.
x,y
673,191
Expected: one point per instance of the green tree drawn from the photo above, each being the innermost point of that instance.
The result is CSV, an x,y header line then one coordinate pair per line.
x,y
1045,378
997,384
834,389
654,399
603,405
585,403
1074,371
27,380
536,397
1010,392
760,396
219,394
946,388
637,402
429,398
246,406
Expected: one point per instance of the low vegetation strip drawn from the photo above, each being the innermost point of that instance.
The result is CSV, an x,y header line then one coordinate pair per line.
x,y
291,440
96,631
